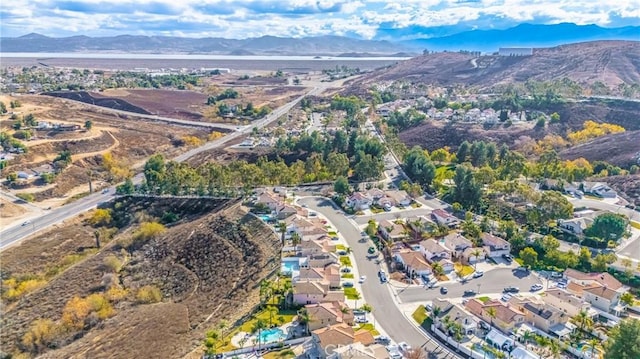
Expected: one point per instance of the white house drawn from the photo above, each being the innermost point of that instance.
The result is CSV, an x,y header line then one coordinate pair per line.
x,y
495,246
359,201
433,250
574,226
444,218
599,189
401,198
601,297
456,243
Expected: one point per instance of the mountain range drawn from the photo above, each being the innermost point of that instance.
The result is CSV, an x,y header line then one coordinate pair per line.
x,y
523,35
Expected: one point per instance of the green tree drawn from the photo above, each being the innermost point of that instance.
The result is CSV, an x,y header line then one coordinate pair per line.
x,y
529,256
607,226
467,191
627,299
624,340
88,124
341,185
599,263
418,166
12,177
257,328
3,108
583,321
463,152
584,259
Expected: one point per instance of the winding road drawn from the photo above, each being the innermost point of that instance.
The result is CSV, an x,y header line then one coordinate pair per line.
x,y
17,232
387,313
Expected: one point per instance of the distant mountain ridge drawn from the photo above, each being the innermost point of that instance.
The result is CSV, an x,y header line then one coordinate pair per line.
x,y
523,35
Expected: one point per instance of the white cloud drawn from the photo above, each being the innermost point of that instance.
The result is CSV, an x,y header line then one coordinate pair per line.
x,y
246,18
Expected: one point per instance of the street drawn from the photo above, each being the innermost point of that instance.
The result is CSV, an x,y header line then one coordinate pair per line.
x,y
15,233
387,314
491,283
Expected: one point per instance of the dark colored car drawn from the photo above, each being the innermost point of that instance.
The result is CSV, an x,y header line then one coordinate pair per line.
x,y
444,290
469,293
511,289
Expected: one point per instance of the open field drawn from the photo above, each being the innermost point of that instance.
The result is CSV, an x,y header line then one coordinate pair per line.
x,y
129,141
207,265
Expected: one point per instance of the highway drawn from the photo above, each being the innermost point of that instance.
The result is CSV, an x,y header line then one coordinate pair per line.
x,y
387,313
15,233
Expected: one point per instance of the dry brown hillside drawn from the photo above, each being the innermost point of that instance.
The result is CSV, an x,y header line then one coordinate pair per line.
x,y
611,62
207,266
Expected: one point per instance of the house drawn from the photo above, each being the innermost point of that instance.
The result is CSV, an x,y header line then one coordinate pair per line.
x,y
327,314
326,339
376,194
386,203
311,292
504,317
418,224
401,198
456,314
413,263
603,298
391,231
446,264
433,250
575,226
599,189
444,218
308,247
473,255
269,200
359,201
322,260
539,314
565,301
284,211
495,246
330,274
26,174
456,243
360,351
44,169
604,279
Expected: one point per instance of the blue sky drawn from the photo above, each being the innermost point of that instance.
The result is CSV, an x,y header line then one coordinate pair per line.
x,y
392,19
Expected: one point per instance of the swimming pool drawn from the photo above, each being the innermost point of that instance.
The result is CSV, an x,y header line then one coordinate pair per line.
x,y
272,335
265,218
289,266
588,352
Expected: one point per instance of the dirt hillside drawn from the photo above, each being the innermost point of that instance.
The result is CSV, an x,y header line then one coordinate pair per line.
x,y
611,62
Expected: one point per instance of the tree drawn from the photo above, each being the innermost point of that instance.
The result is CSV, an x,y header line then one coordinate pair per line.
x,y
624,340
418,166
273,310
555,117
607,226
75,312
437,268
100,217
599,263
467,191
3,108
367,308
282,228
304,318
476,253
627,298
463,152
88,124
583,321
356,297
584,259
529,256
257,328
491,312
341,185
148,230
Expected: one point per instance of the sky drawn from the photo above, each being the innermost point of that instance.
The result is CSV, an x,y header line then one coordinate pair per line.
x,y
383,20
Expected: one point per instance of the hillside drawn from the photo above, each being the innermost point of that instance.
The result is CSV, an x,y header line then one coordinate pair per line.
x,y
621,149
207,267
611,62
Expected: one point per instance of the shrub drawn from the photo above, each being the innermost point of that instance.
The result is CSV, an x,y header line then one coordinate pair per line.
x,y
116,294
75,312
113,263
99,304
29,197
41,335
149,294
100,217
192,141
13,289
148,230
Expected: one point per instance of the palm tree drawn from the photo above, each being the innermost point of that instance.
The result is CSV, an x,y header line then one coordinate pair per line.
x,y
527,336
415,353
356,297
304,318
367,308
282,228
258,326
491,312
555,348
594,344
272,311
265,289
295,239
437,269
222,325
583,320
212,341
543,342
476,253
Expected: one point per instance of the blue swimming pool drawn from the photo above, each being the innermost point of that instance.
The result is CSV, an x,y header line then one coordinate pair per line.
x,y
289,266
265,218
272,335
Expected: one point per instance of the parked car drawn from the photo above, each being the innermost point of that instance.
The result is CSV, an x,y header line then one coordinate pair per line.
x,y
469,293
342,253
511,289
444,290
362,279
381,339
371,250
428,307
478,274
506,297
346,270
484,325
347,284
536,287
104,191
507,257
404,346
335,238
361,319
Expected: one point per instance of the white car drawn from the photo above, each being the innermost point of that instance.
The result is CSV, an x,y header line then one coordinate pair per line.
x,y
362,279
478,274
404,346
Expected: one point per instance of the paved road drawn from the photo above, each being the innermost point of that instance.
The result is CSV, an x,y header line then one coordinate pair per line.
x,y
385,310
392,216
13,234
162,118
492,282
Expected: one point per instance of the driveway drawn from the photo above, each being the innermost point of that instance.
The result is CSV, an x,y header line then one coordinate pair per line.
x,y
491,283
386,312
